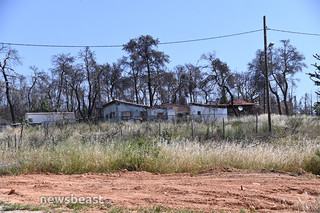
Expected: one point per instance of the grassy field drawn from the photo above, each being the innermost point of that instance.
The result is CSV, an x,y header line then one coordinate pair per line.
x,y
164,148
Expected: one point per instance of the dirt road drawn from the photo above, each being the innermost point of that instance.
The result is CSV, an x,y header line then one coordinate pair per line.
x,y
215,189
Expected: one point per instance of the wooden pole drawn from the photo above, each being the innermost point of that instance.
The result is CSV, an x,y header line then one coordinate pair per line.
x,y
256,122
267,74
223,129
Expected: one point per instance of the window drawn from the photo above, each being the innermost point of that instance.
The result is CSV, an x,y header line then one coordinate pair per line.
x,y
180,115
162,115
143,114
199,112
126,115
30,120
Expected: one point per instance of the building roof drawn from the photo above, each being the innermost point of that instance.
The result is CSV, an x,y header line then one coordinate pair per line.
x,y
47,113
209,105
235,103
176,107
124,102
239,102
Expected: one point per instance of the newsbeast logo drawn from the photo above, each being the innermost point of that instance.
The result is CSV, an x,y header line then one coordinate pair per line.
x,y
73,199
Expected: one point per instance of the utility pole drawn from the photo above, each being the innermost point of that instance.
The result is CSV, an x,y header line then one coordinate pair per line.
x,y
267,74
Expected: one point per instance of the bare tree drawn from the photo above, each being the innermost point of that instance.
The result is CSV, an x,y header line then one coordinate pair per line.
x,y
143,51
85,82
220,73
134,73
194,78
256,68
111,76
286,63
178,85
246,86
10,59
34,79
63,65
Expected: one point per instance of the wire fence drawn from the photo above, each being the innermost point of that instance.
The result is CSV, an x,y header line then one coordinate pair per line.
x,y
163,117
186,127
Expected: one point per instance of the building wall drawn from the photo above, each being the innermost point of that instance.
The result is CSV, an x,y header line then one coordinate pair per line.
x,y
171,114
109,112
168,114
207,113
50,118
123,112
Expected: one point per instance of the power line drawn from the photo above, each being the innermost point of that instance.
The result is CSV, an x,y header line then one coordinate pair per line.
x,y
59,46
120,45
210,38
161,43
293,32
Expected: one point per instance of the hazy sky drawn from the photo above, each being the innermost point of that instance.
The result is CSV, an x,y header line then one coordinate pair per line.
x,y
106,22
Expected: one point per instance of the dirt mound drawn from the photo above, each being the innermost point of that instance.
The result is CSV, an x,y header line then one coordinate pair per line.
x,y
221,188
218,170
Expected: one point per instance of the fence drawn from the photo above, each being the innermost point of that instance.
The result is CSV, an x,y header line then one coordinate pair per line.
x,y
207,119
199,126
243,128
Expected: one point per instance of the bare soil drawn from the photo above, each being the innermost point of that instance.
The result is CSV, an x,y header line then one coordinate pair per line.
x,y
214,189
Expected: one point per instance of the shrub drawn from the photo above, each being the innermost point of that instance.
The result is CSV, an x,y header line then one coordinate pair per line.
x,y
313,165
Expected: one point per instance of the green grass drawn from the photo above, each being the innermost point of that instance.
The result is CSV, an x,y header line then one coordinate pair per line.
x,y
77,207
18,206
100,148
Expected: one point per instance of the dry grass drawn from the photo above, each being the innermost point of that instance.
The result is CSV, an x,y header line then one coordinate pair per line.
x,y
107,147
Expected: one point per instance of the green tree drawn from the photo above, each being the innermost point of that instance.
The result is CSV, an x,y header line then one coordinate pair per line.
x,y
316,108
315,77
43,107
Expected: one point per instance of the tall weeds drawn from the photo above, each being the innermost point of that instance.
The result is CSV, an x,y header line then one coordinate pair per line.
x,y
110,147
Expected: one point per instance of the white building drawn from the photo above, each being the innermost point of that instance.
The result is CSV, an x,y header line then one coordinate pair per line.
x,y
207,112
159,113
50,118
118,110
169,112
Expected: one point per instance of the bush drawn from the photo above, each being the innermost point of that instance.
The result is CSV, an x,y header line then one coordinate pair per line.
x,y
137,152
313,165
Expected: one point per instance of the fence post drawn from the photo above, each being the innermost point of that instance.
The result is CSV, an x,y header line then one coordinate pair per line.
x,y
256,122
9,141
121,131
192,128
223,129
15,141
159,128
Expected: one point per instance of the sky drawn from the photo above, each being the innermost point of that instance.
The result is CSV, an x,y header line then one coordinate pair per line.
x,y
106,22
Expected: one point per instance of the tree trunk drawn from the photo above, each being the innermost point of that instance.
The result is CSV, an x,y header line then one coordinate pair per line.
x,y
29,91
149,85
286,104
231,96
3,67
135,88
278,99
8,97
